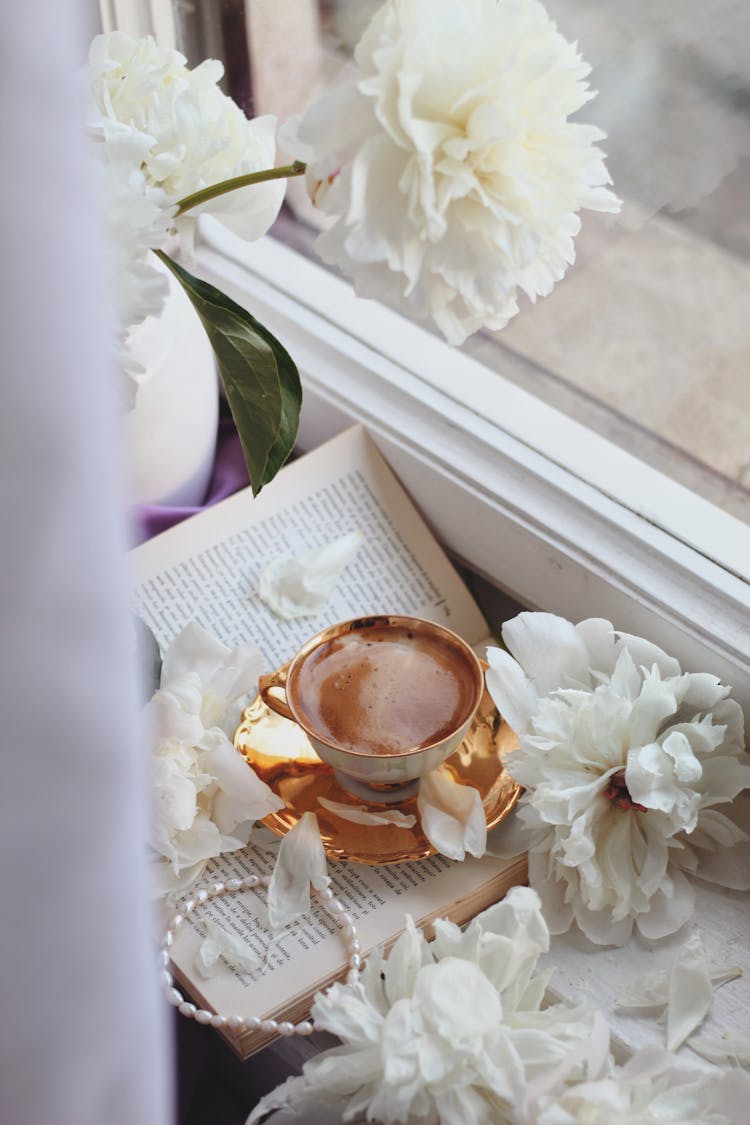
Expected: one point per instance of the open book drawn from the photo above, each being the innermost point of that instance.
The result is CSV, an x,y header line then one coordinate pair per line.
x,y
206,570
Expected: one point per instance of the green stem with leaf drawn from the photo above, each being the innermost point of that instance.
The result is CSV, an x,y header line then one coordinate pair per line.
x,y
260,378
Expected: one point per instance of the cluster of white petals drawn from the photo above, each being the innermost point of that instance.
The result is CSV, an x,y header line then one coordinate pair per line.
x,y
653,1088
162,132
449,1032
207,797
633,770
449,164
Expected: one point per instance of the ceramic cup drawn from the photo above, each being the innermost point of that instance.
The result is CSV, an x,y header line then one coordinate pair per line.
x,y
382,699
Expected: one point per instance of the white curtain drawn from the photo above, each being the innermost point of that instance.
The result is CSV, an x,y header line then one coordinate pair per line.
x,y
82,1028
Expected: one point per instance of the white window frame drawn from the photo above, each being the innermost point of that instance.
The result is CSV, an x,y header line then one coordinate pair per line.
x,y
558,517
140,17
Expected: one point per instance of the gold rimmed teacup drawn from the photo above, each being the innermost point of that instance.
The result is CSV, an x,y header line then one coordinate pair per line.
x,y
380,769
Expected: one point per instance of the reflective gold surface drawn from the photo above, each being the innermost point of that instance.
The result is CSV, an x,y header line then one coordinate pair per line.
x,y
280,754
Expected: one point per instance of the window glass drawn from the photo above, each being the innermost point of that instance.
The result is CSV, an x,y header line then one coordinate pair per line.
x,y
647,339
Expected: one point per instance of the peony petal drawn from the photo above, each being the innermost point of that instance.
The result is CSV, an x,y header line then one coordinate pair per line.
x,y
549,649
300,585
514,695
670,908
408,955
512,935
290,1093
648,991
652,989
655,703
230,947
729,867
300,862
167,883
242,795
358,814
720,829
193,652
558,911
250,211
451,815
345,1011
690,992
650,777
703,692
732,1049
513,837
645,654
454,998
598,635
599,927
201,841
687,767
166,719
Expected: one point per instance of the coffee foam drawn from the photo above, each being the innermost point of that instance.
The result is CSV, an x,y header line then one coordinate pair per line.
x,y
384,690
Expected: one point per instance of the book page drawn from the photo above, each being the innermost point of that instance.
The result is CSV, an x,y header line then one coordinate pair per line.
x,y
207,568
299,960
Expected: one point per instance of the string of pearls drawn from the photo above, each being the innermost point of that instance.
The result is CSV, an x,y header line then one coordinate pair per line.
x,y
334,906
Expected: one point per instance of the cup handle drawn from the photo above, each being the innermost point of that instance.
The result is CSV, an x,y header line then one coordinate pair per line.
x,y
276,682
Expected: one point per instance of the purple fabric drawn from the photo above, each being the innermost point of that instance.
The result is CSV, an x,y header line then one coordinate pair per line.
x,y
229,474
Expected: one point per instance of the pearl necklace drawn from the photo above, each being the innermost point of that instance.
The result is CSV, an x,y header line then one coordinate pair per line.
x,y
334,907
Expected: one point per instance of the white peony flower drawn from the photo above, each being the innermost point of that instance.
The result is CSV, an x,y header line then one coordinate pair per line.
x,y
163,132
631,767
653,1088
207,796
197,135
447,1032
138,216
450,165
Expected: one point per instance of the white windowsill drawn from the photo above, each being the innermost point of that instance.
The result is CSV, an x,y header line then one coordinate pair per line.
x,y
549,511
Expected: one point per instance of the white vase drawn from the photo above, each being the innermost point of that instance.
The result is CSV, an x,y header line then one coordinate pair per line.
x,y
171,433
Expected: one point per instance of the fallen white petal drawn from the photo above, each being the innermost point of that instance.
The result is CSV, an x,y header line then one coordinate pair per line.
x,y
732,1048
648,991
300,862
300,585
690,992
221,943
452,816
358,814
652,990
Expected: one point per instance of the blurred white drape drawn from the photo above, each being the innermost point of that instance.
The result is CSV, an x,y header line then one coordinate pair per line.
x,y
82,1035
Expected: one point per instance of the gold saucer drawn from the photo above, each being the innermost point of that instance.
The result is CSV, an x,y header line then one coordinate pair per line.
x,y
280,754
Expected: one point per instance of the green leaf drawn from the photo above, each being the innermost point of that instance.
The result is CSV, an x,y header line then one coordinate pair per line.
x,y
291,402
259,376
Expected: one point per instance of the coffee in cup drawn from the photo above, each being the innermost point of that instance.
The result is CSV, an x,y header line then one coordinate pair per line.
x,y
382,699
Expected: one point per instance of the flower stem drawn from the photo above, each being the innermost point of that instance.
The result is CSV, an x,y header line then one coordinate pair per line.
x,y
202,196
